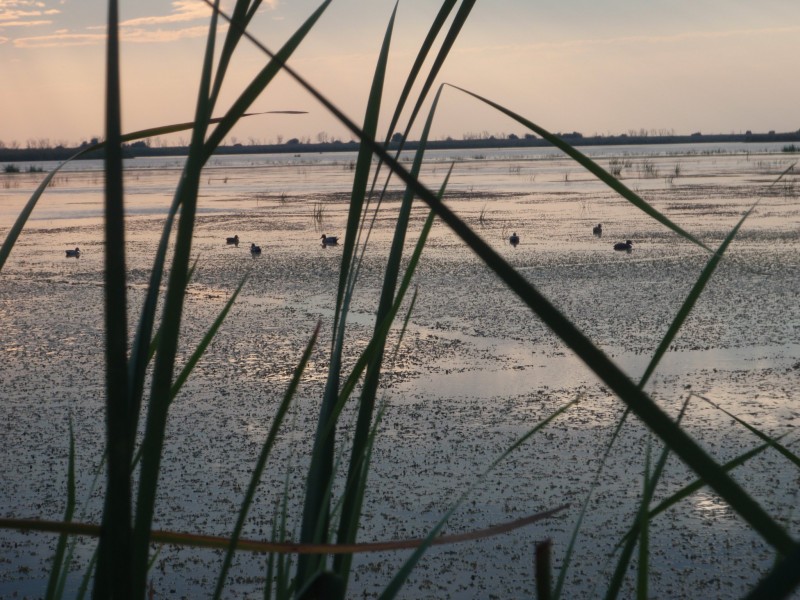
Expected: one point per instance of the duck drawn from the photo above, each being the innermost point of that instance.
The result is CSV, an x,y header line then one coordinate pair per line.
x,y
74,253
233,240
626,245
255,249
514,239
598,230
329,240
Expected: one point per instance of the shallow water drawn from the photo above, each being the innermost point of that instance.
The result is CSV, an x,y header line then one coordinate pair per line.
x,y
475,370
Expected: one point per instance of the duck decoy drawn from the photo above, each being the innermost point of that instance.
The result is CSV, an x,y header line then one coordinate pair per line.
x,y
514,239
626,245
233,240
255,249
329,240
74,253
598,230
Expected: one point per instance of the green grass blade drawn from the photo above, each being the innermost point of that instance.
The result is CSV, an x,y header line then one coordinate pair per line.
x,y
788,454
402,575
260,82
168,344
113,577
351,500
447,44
255,477
203,345
320,473
641,523
565,563
691,299
644,531
416,68
781,582
698,484
592,167
60,566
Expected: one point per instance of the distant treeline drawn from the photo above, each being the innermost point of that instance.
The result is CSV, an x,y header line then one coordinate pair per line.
x,y
142,149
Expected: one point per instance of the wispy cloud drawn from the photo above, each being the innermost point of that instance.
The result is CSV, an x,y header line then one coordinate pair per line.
x,y
187,19
25,13
182,12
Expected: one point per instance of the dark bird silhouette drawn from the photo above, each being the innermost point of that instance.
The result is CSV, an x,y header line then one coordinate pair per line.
x,y
598,230
514,239
233,240
255,249
626,245
74,253
329,240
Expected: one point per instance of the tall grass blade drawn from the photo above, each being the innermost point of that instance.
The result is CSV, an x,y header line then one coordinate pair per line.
x,y
255,477
316,507
356,479
264,77
641,525
153,440
60,565
447,45
113,577
352,496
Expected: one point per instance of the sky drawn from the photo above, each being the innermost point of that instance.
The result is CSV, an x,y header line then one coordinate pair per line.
x,y
593,66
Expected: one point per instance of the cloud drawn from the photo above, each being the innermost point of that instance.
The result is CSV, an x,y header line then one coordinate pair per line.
x,y
60,40
183,11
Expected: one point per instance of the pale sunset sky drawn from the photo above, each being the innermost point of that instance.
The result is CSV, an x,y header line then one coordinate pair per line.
x,y
594,66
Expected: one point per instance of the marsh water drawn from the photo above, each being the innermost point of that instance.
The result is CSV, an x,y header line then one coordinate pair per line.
x,y
474,370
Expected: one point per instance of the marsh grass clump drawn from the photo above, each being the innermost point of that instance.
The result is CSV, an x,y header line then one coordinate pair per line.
x,y
318,215
615,167
11,168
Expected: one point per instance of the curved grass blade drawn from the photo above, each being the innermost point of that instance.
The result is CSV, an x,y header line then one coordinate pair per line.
x,y
640,526
591,166
402,575
691,299
19,223
260,82
781,581
793,458
698,484
387,309
203,345
351,501
61,566
255,477
193,540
